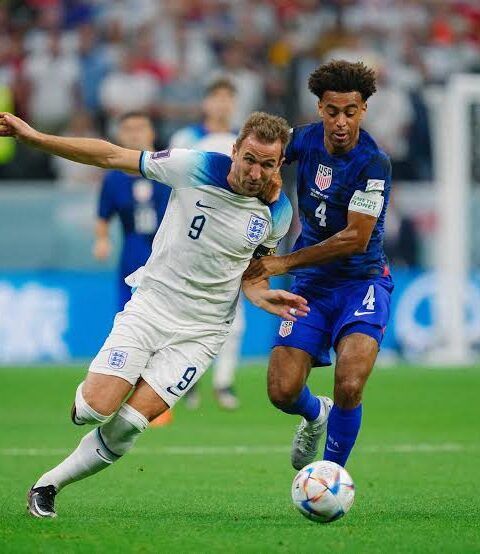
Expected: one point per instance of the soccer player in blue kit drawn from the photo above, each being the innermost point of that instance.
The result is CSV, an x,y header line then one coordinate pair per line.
x,y
343,187
139,203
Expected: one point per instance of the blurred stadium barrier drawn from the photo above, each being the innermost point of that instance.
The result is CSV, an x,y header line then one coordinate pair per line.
x,y
57,302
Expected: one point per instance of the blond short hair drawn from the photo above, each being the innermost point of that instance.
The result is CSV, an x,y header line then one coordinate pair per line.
x,y
267,128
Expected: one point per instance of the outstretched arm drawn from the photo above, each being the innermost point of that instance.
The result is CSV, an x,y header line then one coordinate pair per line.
x,y
83,150
353,239
275,301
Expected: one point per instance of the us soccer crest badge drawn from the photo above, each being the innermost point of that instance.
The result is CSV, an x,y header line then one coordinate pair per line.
x,y
256,228
285,328
323,179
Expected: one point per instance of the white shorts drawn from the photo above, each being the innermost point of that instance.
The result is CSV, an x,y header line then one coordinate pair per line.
x,y
144,344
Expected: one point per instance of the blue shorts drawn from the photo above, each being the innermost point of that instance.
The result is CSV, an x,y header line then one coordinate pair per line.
x,y
361,306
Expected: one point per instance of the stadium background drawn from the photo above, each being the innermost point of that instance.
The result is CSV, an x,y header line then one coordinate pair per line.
x,y
72,66
207,483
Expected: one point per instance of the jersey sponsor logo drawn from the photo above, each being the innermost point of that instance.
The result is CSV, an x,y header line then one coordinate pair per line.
x,y
323,179
199,204
117,358
160,154
286,328
256,228
375,185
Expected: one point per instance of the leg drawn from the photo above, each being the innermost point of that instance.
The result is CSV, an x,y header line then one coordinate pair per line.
x,y
98,397
98,449
111,376
146,401
356,355
297,348
287,373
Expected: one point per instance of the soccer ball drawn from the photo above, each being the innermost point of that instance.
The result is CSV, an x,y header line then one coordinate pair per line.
x,y
323,491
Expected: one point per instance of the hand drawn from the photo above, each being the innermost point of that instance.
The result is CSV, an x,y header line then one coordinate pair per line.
x,y
13,126
272,190
264,267
102,249
282,303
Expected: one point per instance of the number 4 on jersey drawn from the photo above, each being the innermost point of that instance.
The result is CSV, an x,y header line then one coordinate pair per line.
x,y
321,214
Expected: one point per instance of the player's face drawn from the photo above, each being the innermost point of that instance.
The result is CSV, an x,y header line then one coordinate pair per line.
x,y
342,113
254,164
136,133
220,104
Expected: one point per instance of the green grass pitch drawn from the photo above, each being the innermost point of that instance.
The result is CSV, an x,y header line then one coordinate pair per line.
x,y
220,482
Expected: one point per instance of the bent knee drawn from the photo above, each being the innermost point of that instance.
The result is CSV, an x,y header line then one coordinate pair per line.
x,y
348,392
100,406
282,395
89,408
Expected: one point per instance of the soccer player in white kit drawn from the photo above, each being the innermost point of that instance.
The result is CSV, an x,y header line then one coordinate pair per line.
x,y
215,134
220,215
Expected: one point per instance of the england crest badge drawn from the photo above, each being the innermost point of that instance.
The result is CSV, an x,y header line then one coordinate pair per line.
x,y
323,179
117,358
285,328
256,228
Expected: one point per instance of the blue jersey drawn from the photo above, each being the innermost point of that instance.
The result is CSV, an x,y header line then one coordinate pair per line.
x,y
140,205
327,185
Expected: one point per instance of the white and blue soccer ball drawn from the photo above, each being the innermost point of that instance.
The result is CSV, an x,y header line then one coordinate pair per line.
x,y
323,491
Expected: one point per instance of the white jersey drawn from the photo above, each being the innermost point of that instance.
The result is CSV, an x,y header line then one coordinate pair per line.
x,y
207,237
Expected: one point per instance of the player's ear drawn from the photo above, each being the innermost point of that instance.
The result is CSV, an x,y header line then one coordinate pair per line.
x,y
364,110
280,164
320,108
234,152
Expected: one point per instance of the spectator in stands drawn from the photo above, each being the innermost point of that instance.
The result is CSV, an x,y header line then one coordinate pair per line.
x,y
53,86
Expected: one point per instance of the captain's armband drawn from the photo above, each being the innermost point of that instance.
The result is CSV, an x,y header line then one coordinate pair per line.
x,y
261,251
368,203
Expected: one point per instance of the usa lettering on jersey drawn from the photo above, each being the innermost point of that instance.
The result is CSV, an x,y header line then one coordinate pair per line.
x,y
323,179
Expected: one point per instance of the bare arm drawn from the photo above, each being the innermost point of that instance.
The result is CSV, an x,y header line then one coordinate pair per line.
x,y
102,246
275,301
353,239
88,151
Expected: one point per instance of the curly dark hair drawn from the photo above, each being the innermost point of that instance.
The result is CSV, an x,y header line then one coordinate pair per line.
x,y
342,76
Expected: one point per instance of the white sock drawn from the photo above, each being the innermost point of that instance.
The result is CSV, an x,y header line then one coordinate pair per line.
x,y
98,449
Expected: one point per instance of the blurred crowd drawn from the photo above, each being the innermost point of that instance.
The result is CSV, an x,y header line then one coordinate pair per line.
x,y
74,66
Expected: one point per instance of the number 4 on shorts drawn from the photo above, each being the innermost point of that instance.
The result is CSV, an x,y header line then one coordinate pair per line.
x,y
369,300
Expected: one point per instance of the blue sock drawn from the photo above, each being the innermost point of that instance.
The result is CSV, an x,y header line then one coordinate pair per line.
x,y
342,430
306,405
